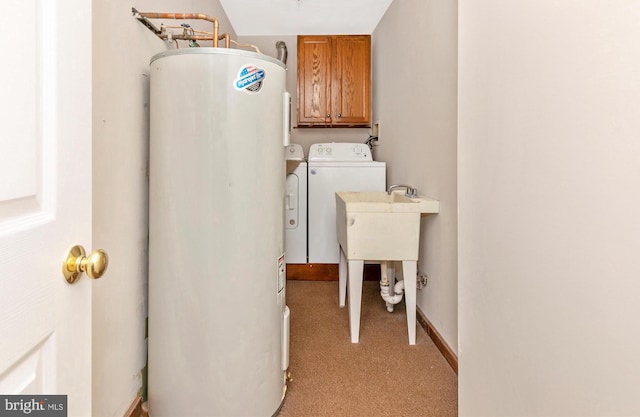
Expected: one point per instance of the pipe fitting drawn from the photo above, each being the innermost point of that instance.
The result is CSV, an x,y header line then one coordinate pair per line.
x,y
394,299
281,47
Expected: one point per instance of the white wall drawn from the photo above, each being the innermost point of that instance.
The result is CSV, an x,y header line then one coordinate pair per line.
x,y
414,90
303,136
122,48
549,173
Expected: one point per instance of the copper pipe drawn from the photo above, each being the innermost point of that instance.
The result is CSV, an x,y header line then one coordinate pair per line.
x,y
192,16
184,37
227,39
203,35
246,45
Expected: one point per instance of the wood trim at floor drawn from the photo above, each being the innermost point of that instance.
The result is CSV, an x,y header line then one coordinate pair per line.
x,y
137,409
442,346
312,272
327,272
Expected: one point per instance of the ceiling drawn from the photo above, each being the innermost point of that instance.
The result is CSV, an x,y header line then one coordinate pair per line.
x,y
304,17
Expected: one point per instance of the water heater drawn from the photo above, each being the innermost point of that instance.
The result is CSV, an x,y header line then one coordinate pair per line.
x,y
218,322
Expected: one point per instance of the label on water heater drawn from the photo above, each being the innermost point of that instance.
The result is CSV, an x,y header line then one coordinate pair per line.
x,y
281,273
250,79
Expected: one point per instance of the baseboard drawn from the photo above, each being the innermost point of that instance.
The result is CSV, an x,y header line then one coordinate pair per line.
x,y
312,272
327,272
442,346
137,409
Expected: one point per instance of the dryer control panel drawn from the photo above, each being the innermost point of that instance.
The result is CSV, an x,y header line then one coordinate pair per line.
x,y
336,151
294,152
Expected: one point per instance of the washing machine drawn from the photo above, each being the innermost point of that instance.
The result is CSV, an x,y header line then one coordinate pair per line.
x,y
336,167
295,222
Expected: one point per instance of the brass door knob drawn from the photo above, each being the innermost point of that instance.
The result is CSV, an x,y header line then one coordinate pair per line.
x,y
76,263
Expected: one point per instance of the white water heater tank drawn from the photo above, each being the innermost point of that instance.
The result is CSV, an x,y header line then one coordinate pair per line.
x,y
218,323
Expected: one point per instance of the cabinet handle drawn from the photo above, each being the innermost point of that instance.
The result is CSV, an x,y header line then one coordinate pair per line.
x,y
328,115
339,115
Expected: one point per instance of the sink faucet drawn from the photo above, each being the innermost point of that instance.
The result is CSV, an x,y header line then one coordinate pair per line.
x,y
411,192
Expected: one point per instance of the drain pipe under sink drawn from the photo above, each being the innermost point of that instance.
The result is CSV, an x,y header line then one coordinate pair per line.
x,y
394,299
398,289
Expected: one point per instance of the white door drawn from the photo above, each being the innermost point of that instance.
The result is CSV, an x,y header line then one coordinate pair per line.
x,y
45,198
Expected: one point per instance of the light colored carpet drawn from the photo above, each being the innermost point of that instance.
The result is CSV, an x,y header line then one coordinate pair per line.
x,y
380,376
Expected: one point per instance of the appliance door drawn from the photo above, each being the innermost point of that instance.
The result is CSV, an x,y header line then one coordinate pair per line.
x,y
295,226
325,179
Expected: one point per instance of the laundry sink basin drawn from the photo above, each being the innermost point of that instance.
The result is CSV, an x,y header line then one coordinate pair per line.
x,y
382,202
381,226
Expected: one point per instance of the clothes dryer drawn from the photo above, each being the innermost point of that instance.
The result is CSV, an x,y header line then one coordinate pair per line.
x,y
295,222
336,167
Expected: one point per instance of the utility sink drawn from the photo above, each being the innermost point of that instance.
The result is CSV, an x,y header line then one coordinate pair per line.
x,y
377,226
396,202
381,226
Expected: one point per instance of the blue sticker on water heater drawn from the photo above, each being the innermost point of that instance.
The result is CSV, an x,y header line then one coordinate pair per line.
x,y
250,79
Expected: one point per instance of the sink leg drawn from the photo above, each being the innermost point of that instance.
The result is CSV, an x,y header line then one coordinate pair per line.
x,y
356,268
342,278
409,271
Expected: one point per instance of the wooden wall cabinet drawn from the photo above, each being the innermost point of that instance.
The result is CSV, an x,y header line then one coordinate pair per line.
x,y
334,81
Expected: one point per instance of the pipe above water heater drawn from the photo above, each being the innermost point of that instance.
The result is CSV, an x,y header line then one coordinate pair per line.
x,y
144,18
190,34
281,47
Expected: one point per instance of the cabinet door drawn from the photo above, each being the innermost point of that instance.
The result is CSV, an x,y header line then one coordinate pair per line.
x,y
314,80
351,82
